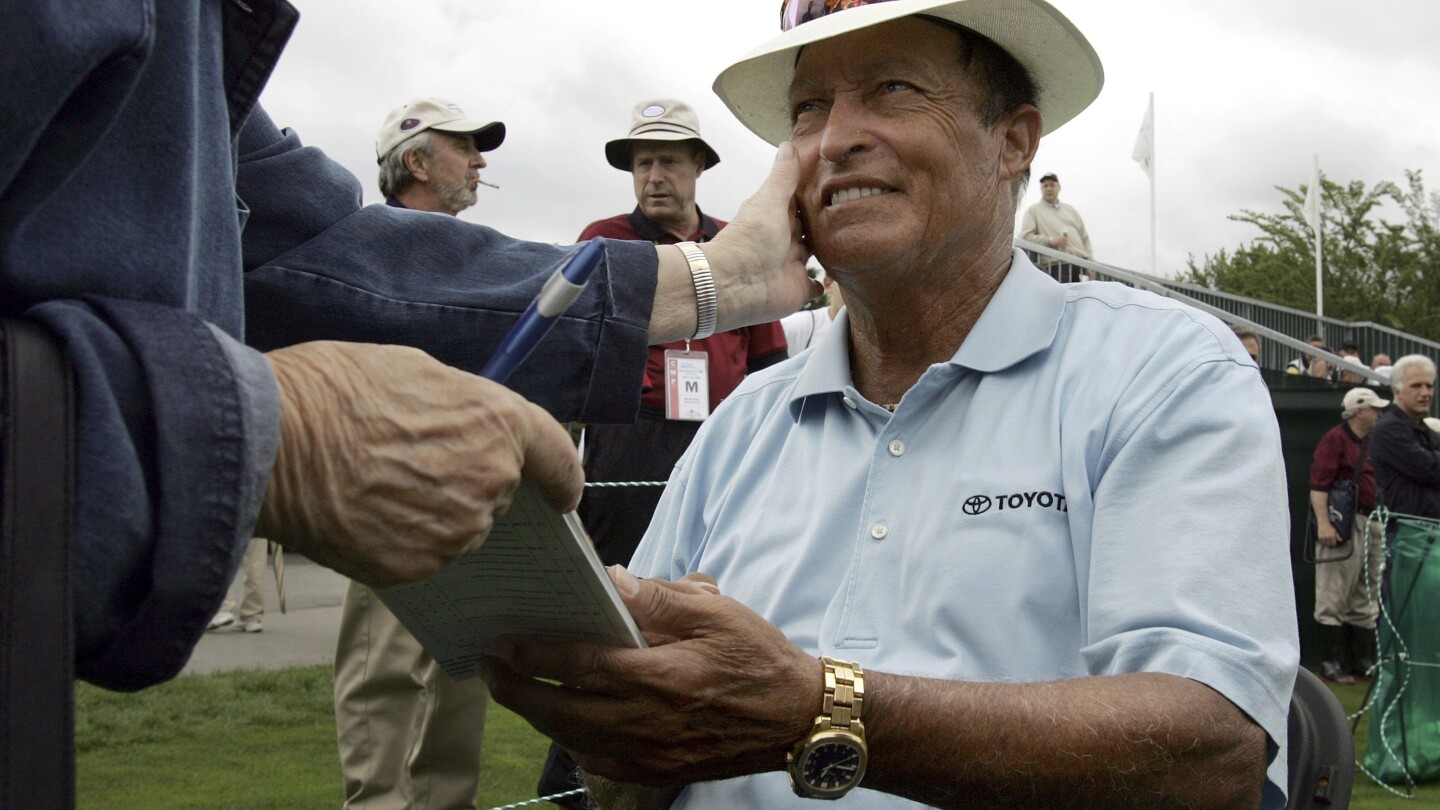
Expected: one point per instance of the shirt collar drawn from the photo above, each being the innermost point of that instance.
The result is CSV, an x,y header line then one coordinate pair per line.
x,y
1021,320
647,228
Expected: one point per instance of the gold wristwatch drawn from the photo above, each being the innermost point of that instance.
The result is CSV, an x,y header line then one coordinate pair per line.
x,y
830,760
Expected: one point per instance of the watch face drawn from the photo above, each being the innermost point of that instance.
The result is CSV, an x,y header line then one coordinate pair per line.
x,y
832,765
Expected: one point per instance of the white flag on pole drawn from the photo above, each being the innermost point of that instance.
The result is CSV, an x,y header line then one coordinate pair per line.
x,y
1312,199
1144,151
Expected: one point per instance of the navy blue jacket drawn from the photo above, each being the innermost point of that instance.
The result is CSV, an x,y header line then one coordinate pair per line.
x,y
150,214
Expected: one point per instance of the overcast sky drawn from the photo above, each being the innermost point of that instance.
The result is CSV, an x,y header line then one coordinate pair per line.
x,y
1246,93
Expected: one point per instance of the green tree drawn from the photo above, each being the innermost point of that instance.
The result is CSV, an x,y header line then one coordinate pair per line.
x,y
1374,269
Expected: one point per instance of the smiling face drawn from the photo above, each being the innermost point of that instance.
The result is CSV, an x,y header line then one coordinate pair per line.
x,y
897,168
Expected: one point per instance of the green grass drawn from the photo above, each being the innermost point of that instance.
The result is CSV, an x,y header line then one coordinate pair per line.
x,y
246,740
1368,795
249,740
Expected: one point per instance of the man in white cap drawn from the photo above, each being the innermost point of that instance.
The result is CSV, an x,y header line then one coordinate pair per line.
x,y
430,155
407,732
1028,529
665,155
1347,569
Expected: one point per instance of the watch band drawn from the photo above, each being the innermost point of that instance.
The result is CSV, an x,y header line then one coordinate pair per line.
x,y
707,310
830,761
844,692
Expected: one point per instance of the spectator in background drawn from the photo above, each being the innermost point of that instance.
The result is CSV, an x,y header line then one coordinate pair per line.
x,y
1249,339
1309,365
431,154
409,734
1380,364
665,156
1058,225
1350,350
1347,569
803,327
1405,451
245,601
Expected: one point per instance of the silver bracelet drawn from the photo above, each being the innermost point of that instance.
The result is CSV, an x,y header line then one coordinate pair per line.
x,y
707,311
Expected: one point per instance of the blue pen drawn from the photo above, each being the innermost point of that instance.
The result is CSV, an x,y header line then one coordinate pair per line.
x,y
564,286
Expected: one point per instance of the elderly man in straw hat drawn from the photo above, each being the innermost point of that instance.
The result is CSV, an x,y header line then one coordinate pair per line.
x,y
994,539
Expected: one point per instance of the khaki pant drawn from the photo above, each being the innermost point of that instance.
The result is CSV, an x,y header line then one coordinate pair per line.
x,y
1348,591
409,735
247,590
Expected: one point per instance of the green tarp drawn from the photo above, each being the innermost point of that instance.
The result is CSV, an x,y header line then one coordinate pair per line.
x,y
1404,734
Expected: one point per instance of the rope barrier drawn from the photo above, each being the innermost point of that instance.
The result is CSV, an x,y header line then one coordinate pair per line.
x,y
551,797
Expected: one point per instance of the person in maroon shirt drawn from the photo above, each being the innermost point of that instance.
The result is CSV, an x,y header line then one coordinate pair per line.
x,y
665,156
1347,570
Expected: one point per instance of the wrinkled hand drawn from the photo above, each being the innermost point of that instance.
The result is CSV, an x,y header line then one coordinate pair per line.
x,y
391,463
722,693
759,258
1326,534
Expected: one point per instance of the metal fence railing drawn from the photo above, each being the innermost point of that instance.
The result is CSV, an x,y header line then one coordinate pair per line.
x,y
1284,330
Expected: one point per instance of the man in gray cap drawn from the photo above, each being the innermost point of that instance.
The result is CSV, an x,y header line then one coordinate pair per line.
x,y
992,540
430,155
408,734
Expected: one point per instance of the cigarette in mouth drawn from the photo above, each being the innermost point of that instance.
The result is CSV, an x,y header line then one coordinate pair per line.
x,y
483,183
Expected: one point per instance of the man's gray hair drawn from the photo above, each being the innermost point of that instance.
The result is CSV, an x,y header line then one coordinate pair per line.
x,y
394,174
1409,361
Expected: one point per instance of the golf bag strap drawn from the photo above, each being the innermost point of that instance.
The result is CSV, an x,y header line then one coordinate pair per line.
x,y
36,635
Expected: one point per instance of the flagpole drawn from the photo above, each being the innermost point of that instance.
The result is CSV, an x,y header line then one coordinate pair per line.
x,y
1153,270
1319,275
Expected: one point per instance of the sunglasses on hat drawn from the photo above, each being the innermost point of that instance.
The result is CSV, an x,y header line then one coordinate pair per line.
x,y
799,12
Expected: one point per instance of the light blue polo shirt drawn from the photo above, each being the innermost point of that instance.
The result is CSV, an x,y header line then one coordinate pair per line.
x,y
1092,485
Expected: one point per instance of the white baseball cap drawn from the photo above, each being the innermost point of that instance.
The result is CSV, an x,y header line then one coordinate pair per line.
x,y
418,115
1363,398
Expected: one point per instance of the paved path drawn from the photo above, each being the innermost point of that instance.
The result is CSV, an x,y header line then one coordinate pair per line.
x,y
302,636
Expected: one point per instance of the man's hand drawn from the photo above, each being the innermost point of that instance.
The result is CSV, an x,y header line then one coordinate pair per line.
x,y
758,262
391,463
1326,534
1059,242
722,693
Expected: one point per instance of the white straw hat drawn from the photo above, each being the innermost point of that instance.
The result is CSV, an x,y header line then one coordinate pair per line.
x,y
1065,69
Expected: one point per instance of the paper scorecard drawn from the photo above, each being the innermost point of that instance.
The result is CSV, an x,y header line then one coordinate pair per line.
x,y
537,574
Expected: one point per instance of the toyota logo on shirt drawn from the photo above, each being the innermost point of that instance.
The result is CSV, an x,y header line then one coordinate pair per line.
x,y
1037,499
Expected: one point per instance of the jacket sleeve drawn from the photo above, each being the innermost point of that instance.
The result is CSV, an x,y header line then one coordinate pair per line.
x,y
1391,440
176,430
321,267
